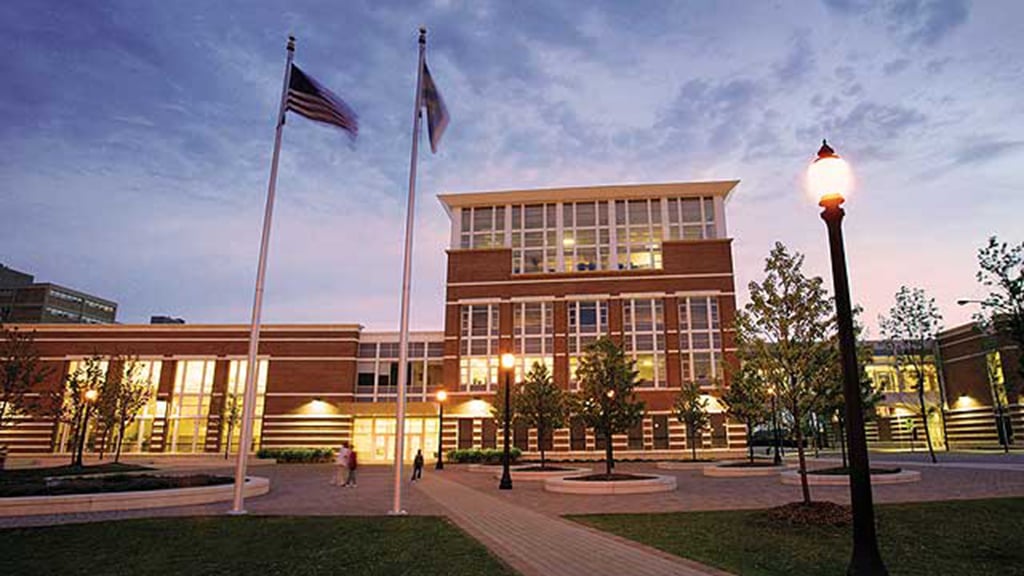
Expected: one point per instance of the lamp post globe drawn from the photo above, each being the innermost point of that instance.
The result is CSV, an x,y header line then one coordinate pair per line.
x,y
508,364
829,178
441,397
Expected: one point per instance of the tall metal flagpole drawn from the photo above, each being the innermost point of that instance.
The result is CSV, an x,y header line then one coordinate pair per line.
x,y
249,403
403,334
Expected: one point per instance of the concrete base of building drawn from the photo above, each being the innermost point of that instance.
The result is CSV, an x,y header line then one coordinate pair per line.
x,y
722,470
621,487
79,503
792,478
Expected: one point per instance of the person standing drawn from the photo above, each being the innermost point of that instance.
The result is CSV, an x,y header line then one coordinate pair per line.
x,y
353,463
417,466
341,473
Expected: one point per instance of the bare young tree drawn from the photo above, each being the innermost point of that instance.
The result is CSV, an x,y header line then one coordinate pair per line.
x,y
1001,270
911,327
21,372
230,418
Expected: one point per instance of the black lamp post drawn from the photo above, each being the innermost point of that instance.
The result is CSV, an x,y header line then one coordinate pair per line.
x,y
829,178
441,397
508,363
775,427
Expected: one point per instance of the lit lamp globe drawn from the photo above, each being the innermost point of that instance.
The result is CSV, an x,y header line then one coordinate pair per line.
x,y
442,395
508,361
829,177
91,395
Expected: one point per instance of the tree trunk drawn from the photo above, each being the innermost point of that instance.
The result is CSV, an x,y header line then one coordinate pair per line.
x,y
800,454
608,461
693,444
540,445
750,445
924,417
120,441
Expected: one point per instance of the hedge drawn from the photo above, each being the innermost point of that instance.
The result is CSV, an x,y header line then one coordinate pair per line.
x,y
297,455
485,456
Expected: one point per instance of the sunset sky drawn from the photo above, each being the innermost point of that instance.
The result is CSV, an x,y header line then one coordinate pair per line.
x,y
136,138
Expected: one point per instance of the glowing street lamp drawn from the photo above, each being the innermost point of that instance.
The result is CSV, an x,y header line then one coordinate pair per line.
x,y
829,179
441,397
508,363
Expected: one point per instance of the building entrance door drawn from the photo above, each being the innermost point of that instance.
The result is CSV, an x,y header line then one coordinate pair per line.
x,y
375,439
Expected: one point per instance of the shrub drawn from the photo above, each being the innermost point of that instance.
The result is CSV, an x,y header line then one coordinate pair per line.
x,y
297,455
482,456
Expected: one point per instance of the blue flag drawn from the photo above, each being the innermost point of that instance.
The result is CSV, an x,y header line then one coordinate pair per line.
x,y
437,112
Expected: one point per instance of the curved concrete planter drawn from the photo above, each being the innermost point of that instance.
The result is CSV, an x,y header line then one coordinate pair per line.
x,y
682,465
646,486
719,471
792,477
528,476
491,467
103,502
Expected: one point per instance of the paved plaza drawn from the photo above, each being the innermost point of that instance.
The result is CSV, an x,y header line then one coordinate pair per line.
x,y
524,527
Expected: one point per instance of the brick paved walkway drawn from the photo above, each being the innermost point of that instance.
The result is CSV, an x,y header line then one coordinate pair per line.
x,y
538,544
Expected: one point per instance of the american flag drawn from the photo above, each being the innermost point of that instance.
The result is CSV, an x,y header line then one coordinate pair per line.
x,y
309,98
437,112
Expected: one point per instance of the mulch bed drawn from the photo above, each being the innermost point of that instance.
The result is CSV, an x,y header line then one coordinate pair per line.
x,y
845,471
813,514
102,484
613,477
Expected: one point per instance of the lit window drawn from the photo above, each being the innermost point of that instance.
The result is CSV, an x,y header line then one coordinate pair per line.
x,y
700,339
644,340
588,321
533,336
479,347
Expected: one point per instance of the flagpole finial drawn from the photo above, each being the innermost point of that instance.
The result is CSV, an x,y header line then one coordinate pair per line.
x,y
423,34
291,43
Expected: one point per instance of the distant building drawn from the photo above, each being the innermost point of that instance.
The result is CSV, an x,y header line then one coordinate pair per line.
x,y
165,320
24,301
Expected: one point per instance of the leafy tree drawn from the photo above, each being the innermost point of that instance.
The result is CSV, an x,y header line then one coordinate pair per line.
x,y
911,328
607,401
830,401
498,406
542,404
691,408
747,400
786,327
1002,272
230,417
21,373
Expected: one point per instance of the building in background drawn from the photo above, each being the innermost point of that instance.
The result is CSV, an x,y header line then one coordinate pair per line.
x,y
165,320
539,273
24,301
897,422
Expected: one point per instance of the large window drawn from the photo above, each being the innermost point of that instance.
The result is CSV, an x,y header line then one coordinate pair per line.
x,y
586,237
533,332
483,227
479,340
643,338
534,238
700,339
190,405
588,321
638,233
237,370
138,434
691,218
377,370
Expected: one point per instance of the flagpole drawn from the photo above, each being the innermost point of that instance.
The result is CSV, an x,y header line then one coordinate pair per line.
x,y
403,331
252,367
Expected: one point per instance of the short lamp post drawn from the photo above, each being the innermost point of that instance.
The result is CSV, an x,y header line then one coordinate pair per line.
x,y
90,397
508,363
441,397
829,178
777,460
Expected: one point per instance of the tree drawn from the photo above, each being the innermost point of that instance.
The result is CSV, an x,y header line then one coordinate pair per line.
x,y
691,409
134,391
1002,272
747,400
785,328
230,417
542,404
71,405
911,328
607,401
498,407
21,373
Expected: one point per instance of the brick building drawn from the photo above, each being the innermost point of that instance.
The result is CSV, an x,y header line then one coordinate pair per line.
x,y
539,273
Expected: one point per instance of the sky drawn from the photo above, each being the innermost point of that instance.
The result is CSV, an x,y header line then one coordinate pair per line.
x,y
137,137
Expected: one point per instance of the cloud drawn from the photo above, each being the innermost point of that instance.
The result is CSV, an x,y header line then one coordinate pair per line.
x,y
982,151
893,67
923,22
799,61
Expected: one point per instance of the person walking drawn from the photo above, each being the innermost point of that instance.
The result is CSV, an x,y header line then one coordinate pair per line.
x,y
417,466
353,463
341,472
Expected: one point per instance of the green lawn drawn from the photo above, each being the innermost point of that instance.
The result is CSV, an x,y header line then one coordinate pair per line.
x,y
975,537
253,545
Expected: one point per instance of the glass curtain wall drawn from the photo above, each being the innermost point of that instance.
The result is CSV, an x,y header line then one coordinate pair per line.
x,y
236,389
533,332
643,324
588,321
478,363
700,339
190,405
377,371
638,233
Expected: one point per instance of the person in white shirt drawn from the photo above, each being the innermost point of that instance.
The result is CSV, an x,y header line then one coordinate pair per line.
x,y
341,466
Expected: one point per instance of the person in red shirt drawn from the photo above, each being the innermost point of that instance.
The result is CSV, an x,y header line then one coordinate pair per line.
x,y
352,464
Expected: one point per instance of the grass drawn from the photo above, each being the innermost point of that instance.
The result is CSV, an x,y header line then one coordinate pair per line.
x,y
255,545
974,537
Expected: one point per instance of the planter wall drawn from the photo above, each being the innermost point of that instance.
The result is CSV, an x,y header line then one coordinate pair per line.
x,y
792,477
645,486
